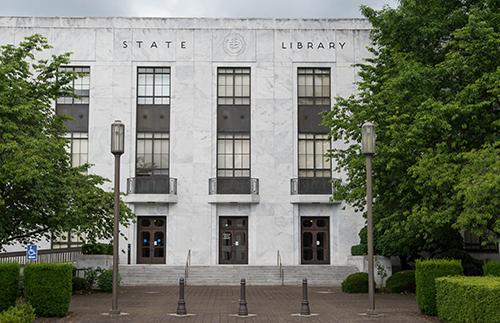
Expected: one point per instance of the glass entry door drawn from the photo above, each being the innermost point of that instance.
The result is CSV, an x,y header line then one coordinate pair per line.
x,y
151,233
233,240
315,240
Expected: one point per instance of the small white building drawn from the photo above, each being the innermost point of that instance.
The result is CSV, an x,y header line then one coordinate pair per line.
x,y
224,147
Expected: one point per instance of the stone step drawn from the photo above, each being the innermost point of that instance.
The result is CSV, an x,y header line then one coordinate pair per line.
x,y
232,274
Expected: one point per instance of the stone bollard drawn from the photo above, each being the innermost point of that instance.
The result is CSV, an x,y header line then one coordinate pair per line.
x,y
181,304
243,311
304,309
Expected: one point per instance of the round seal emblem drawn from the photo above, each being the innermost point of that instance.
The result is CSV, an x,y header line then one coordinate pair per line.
x,y
234,44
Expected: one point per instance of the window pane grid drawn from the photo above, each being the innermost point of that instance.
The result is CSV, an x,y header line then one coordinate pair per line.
x,y
77,148
312,160
80,86
233,86
313,86
153,85
152,153
233,155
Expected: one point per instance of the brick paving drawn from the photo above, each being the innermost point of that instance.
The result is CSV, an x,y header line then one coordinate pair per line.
x,y
217,303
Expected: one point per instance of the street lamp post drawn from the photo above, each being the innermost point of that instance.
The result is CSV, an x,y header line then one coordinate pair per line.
x,y
117,149
368,149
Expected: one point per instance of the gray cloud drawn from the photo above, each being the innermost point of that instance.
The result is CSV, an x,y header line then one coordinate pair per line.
x,y
190,8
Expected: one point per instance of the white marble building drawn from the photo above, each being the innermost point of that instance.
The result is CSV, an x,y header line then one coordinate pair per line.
x,y
193,54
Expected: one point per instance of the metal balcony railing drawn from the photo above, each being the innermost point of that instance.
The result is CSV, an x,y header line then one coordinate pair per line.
x,y
313,185
156,184
233,185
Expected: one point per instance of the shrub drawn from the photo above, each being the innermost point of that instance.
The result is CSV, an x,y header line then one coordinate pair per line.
x,y
402,282
359,250
48,288
105,281
468,299
491,268
425,274
471,266
80,284
9,281
355,283
23,313
97,249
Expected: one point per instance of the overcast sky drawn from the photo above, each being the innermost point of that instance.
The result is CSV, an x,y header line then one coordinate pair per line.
x,y
190,8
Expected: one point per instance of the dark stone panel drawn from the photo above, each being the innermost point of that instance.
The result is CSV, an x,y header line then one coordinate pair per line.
x,y
310,119
233,185
156,184
315,185
79,114
153,118
233,119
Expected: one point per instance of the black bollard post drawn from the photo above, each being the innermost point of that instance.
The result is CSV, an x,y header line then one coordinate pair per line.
x,y
304,309
181,304
243,311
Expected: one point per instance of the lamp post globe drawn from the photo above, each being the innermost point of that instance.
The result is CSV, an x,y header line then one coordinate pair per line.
x,y
368,138
117,138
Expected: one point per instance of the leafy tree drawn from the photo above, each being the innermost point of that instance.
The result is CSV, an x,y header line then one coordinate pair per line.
x,y
432,87
40,193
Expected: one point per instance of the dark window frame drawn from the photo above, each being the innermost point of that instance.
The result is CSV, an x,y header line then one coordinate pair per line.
x,y
75,96
315,170
317,100
478,246
225,71
142,70
234,155
152,139
70,136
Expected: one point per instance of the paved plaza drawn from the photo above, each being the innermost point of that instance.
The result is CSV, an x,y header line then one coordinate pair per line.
x,y
217,303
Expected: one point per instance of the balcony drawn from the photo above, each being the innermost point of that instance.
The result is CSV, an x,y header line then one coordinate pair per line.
x,y
151,189
233,190
312,190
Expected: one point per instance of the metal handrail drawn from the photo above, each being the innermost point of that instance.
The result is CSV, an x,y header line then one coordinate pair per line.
x,y
186,268
281,269
44,255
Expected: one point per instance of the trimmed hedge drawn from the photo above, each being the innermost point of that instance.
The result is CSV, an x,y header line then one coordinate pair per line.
x,y
48,288
23,313
425,274
97,249
468,299
355,283
491,268
359,250
402,282
9,282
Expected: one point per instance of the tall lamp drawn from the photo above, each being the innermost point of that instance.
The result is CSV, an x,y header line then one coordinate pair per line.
x,y
117,149
368,149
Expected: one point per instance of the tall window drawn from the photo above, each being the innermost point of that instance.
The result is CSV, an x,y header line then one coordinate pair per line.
x,y
473,243
233,155
153,85
152,153
233,86
312,160
313,86
80,86
77,148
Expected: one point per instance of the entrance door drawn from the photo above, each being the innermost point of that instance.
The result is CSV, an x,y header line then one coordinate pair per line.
x,y
151,240
233,240
315,240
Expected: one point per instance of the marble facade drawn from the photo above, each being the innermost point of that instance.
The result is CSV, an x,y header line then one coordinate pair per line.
x,y
193,48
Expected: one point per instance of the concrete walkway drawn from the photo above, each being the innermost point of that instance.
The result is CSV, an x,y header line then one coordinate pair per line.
x,y
216,304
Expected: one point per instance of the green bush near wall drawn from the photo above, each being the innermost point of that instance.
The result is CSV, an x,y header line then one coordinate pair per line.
x,y
355,283
402,282
425,274
491,268
97,249
48,287
23,313
9,282
468,299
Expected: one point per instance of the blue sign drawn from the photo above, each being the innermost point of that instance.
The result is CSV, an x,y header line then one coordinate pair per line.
x,y
32,252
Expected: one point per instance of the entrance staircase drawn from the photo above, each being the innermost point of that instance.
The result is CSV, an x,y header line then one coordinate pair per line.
x,y
317,275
